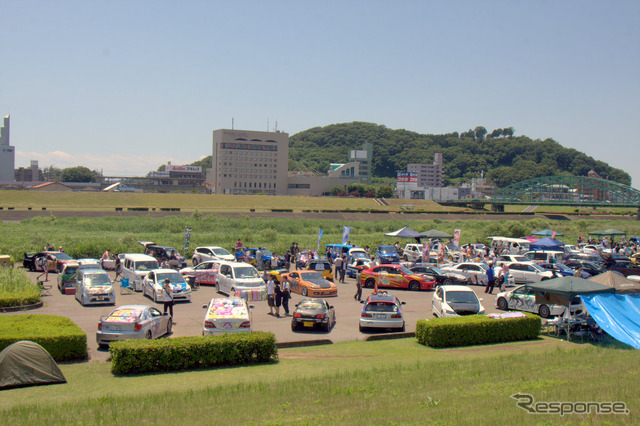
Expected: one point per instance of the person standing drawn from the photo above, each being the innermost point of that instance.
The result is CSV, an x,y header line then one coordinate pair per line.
x,y
270,294
343,268
337,268
238,246
117,266
503,277
43,263
259,259
105,256
287,260
168,297
286,295
491,280
358,295
277,291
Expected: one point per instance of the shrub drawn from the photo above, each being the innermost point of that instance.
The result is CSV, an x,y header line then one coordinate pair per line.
x,y
62,338
189,353
16,289
476,330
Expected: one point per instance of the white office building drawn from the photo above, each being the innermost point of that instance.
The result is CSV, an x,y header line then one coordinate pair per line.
x,y
7,154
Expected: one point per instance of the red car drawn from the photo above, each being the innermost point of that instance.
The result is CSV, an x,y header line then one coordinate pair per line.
x,y
395,276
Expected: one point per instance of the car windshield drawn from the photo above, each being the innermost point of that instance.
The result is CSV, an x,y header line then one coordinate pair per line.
x,y
91,280
246,272
220,252
520,259
562,267
485,267
381,307
146,265
405,270
266,253
438,271
461,297
312,276
311,304
387,249
174,277
320,266
358,255
61,256
538,268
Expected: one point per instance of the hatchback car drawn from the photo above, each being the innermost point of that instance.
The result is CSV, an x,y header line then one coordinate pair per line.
x,y
313,313
67,278
455,300
164,254
387,254
200,254
382,311
154,281
93,286
133,322
227,315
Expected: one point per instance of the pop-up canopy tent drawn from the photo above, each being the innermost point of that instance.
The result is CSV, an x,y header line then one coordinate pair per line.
x,y
562,290
434,233
26,363
546,244
546,233
406,233
618,282
608,233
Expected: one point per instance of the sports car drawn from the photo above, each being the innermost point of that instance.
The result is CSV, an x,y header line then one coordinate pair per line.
x,y
227,315
205,273
310,283
321,265
441,277
396,276
313,313
154,280
382,310
133,322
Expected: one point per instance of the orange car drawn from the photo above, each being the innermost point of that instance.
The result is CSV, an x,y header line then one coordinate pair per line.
x,y
396,276
311,283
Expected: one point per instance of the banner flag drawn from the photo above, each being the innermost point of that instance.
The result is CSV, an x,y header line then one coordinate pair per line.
x,y
319,237
345,234
456,237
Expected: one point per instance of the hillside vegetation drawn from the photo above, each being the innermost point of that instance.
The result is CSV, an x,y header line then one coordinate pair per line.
x,y
504,158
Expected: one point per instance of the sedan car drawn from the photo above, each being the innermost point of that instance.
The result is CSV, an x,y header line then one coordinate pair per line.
x,y
154,280
205,273
93,286
441,277
201,254
522,298
227,315
455,300
313,313
396,276
382,311
310,283
562,270
387,254
133,322
528,272
476,273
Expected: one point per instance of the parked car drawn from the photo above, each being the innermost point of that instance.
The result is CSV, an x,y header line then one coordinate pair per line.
x,y
136,266
133,322
313,313
386,254
67,278
625,267
522,298
248,255
200,254
528,273
357,261
412,253
154,281
110,264
164,255
227,315
546,256
455,300
396,276
311,283
508,258
54,260
321,265
241,279
562,270
441,277
93,287
382,311
588,267
204,273
476,273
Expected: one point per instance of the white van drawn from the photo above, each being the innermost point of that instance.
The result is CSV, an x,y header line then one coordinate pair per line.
x,y
546,256
243,278
510,245
136,266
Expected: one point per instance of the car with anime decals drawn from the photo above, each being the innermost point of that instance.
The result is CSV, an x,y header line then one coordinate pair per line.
x,y
227,315
154,281
248,255
204,273
396,276
94,287
382,310
522,298
310,283
201,254
133,322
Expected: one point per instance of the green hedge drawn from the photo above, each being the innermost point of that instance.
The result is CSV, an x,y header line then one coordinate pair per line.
x,y
476,330
62,338
189,353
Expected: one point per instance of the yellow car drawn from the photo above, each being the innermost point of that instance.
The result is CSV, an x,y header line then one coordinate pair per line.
x,y
635,258
321,265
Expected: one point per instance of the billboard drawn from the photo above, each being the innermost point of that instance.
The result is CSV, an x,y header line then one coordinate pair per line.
x,y
188,169
407,177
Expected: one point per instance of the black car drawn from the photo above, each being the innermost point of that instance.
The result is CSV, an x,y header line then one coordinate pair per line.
x,y
164,254
441,277
55,260
312,314
625,267
586,266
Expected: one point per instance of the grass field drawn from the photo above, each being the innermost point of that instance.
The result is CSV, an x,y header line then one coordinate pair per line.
x,y
385,382
16,289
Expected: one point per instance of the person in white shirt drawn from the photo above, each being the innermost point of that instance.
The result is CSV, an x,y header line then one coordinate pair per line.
x,y
270,294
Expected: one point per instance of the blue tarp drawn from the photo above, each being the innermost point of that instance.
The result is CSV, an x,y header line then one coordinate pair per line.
x,y
617,314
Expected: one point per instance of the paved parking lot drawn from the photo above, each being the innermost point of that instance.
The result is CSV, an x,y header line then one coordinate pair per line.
x,y
189,316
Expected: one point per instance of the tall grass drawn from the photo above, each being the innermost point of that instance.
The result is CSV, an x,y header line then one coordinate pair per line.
x,y
16,289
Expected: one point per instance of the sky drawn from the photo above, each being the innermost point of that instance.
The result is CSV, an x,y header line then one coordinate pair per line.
x,y
125,86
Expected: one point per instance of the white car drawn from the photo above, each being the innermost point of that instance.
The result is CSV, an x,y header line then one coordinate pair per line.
x,y
382,311
133,322
455,300
475,272
227,315
241,278
93,286
524,299
154,280
204,273
412,253
528,272
508,258
200,254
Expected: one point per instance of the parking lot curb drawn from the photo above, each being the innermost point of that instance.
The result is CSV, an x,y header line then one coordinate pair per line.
x,y
22,307
303,343
389,336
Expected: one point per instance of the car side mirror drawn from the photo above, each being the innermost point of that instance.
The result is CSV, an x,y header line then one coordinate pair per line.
x,y
362,301
403,303
330,307
204,306
251,306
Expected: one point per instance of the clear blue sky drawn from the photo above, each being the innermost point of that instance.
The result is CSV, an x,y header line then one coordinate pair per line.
x,y
125,86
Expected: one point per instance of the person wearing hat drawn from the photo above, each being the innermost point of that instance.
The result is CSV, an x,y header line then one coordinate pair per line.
x,y
168,297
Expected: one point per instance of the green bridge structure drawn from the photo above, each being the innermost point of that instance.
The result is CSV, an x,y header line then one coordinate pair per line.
x,y
560,191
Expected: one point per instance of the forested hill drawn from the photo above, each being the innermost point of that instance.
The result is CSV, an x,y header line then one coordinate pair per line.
x,y
504,158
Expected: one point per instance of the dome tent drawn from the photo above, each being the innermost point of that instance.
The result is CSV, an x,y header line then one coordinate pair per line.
x,y
26,363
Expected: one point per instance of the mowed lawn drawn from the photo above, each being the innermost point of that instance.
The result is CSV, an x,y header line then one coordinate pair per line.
x,y
385,382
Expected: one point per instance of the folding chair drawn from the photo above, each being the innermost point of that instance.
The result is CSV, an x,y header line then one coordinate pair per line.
x,y
45,289
125,287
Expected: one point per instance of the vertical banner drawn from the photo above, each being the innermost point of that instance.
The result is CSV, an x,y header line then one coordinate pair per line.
x,y
319,237
345,234
456,237
187,238
553,235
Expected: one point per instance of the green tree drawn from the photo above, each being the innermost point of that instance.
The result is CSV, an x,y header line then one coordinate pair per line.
x,y
78,174
384,191
479,133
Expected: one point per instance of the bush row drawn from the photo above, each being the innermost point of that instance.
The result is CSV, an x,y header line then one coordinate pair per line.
x,y
190,353
62,338
476,330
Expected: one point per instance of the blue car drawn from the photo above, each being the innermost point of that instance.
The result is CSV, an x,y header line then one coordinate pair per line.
x,y
387,254
562,270
248,255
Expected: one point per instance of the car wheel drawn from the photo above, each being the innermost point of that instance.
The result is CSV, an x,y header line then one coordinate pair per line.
x,y
217,288
294,327
169,325
502,304
148,335
447,281
544,311
326,327
305,292
362,328
414,286
403,328
369,283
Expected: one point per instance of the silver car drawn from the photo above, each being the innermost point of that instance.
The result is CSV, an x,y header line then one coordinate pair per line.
x,y
133,322
382,311
93,286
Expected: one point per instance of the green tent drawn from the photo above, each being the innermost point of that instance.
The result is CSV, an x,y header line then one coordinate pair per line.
x,y
562,290
434,233
26,363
